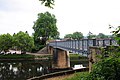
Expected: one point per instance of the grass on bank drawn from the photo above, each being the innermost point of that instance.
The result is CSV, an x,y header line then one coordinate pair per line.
x,y
75,76
76,56
16,56
78,76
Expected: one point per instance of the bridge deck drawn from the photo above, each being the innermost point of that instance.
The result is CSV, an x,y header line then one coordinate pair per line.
x,y
82,46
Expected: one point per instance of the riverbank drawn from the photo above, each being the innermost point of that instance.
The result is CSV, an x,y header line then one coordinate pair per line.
x,y
57,74
15,56
25,56
74,76
61,77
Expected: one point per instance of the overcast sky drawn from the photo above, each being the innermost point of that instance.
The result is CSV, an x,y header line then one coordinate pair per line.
x,y
72,15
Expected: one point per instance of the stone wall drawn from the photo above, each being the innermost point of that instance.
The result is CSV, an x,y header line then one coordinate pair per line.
x,y
92,56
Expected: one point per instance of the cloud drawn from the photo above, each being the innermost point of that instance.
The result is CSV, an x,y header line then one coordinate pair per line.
x,y
75,15
17,15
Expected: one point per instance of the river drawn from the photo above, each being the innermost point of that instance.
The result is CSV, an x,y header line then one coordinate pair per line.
x,y
22,70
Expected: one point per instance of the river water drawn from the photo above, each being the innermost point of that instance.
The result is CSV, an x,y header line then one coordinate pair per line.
x,y
22,70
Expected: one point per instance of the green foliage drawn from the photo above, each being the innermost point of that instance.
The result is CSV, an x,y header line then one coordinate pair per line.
x,y
78,76
16,56
116,34
68,36
101,35
75,35
47,3
22,41
92,36
108,68
77,56
45,28
6,41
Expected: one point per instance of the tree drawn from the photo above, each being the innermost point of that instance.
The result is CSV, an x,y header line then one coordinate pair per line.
x,y
6,41
116,34
45,28
68,36
111,36
101,35
91,36
47,3
22,41
77,35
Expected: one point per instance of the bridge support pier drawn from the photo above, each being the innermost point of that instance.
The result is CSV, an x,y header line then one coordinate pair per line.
x,y
60,59
94,51
50,50
92,56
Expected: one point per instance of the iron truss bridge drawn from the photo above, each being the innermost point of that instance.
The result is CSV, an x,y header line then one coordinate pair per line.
x,y
82,46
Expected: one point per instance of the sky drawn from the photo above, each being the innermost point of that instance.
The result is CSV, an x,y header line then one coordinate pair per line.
x,y
72,15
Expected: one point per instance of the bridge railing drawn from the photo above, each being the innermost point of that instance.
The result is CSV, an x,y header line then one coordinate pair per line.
x,y
82,46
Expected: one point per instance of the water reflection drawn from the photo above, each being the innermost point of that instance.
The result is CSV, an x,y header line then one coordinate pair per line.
x,y
18,70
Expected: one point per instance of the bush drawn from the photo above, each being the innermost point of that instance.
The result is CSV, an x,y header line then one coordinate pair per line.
x,y
108,68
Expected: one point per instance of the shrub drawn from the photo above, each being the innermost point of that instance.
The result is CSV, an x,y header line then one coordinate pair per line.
x,y
108,68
